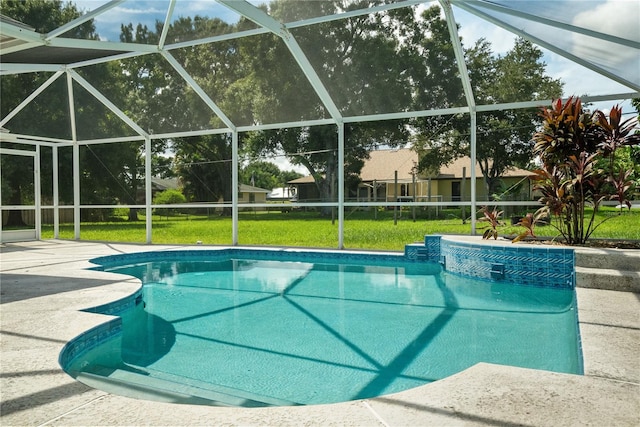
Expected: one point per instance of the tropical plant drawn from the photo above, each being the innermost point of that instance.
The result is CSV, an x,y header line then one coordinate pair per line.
x,y
493,218
529,222
621,183
570,145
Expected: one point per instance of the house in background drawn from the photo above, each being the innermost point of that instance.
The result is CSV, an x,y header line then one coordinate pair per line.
x,y
282,194
379,182
246,193
251,194
453,182
158,185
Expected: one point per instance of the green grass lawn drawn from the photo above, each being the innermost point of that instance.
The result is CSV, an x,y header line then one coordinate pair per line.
x,y
308,229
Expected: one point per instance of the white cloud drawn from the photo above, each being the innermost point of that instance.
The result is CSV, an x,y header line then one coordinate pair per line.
x,y
615,17
473,28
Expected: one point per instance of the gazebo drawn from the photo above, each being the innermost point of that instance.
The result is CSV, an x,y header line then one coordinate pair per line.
x,y
563,28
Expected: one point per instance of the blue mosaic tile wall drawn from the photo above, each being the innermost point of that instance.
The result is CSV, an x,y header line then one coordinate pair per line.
x,y
519,264
254,254
89,340
120,306
96,336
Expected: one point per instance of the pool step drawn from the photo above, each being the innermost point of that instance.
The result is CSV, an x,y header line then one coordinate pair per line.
x,y
613,259
610,269
416,251
140,384
608,279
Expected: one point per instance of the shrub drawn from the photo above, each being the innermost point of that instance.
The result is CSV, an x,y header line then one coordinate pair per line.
x,y
570,145
493,218
168,197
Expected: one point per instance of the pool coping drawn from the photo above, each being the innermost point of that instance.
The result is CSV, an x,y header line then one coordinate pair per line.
x,y
46,283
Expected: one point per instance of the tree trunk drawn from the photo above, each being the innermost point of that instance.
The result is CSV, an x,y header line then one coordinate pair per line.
x,y
15,217
133,214
326,190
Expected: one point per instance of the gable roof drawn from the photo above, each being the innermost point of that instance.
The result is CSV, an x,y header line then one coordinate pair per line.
x,y
302,180
382,164
244,188
162,184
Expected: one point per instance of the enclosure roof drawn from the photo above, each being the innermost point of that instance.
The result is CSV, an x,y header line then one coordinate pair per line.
x,y
581,32
56,55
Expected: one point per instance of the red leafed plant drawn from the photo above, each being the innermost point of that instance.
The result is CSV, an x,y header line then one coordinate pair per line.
x,y
493,218
529,223
570,145
621,183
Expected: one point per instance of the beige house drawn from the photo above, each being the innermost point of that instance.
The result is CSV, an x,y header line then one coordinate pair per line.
x,y
251,194
379,182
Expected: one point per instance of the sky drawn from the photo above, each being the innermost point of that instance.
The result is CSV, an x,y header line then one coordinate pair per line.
x,y
617,17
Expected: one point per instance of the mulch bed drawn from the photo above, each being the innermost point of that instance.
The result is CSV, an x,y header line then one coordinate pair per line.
x,y
591,243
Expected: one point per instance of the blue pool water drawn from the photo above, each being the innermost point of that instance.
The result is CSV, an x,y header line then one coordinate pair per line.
x,y
255,332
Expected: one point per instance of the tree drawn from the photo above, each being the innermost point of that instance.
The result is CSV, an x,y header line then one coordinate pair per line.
x,y
43,16
161,101
261,174
132,85
204,165
503,137
168,197
351,58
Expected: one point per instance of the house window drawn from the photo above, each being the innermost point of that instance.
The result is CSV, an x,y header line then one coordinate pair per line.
x,y
252,197
404,190
455,191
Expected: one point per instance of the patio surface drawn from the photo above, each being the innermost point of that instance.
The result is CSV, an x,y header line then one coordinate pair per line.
x,y
44,285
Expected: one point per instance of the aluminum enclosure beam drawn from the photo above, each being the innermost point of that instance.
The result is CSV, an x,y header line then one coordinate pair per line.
x,y
30,98
167,23
110,105
468,93
198,90
469,4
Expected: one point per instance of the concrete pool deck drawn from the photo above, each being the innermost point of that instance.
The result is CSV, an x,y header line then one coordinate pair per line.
x,y
44,284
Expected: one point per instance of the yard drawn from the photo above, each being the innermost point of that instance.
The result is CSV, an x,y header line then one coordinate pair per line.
x,y
362,230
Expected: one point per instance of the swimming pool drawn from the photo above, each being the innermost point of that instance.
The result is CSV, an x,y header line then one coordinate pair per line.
x,y
259,328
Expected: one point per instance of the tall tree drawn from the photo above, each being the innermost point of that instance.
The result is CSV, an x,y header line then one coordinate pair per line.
x,y
263,174
204,164
351,58
503,137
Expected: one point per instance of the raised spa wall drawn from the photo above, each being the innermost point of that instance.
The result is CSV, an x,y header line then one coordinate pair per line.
x,y
519,264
